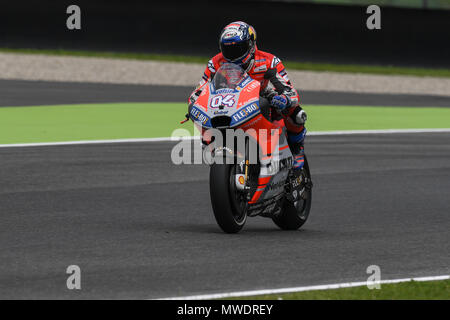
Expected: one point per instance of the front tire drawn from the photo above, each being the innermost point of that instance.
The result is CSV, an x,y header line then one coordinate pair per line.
x,y
228,210
292,216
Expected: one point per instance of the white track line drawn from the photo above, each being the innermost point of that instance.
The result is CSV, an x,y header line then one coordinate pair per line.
x,y
301,289
65,143
162,139
376,131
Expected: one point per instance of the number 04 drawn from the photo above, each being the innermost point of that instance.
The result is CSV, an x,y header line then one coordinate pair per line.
x,y
222,100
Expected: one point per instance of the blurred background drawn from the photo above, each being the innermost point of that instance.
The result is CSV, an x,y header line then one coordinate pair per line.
x,y
424,4
414,32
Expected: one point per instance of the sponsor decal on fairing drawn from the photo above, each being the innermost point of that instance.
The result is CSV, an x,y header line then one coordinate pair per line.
x,y
245,114
200,116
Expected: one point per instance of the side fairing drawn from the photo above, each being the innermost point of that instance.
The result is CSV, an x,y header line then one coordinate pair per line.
x,y
274,170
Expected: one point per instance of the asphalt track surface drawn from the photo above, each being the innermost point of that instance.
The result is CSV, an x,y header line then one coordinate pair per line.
x,y
32,93
141,227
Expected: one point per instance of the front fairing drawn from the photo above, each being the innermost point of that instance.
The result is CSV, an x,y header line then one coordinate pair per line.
x,y
227,108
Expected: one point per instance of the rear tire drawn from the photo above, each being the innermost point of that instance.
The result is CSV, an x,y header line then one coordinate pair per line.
x,y
292,218
229,216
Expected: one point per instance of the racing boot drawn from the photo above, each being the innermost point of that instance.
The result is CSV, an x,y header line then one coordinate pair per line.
x,y
295,141
297,148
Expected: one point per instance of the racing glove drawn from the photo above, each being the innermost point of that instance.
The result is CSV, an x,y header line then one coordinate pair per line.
x,y
281,102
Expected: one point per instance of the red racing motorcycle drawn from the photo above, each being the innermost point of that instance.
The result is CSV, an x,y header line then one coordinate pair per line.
x,y
250,160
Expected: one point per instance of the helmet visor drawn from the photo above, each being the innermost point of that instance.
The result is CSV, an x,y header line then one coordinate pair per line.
x,y
234,50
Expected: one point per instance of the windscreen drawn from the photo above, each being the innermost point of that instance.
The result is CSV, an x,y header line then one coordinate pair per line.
x,y
228,76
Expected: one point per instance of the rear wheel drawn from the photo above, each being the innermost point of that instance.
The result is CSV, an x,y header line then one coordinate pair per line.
x,y
227,201
295,214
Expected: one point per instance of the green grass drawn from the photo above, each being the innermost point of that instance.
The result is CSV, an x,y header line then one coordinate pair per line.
x,y
89,122
324,118
291,65
145,120
114,55
412,290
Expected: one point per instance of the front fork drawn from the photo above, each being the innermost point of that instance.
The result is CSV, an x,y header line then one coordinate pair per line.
x,y
242,179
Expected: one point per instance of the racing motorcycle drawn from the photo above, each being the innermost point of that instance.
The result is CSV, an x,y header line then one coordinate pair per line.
x,y
244,182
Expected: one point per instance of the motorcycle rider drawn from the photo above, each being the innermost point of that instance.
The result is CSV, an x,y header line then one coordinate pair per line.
x,y
238,45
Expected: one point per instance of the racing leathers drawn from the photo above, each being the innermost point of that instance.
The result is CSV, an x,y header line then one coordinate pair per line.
x,y
268,69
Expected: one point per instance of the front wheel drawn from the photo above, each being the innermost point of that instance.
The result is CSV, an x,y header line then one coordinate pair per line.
x,y
295,214
228,203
